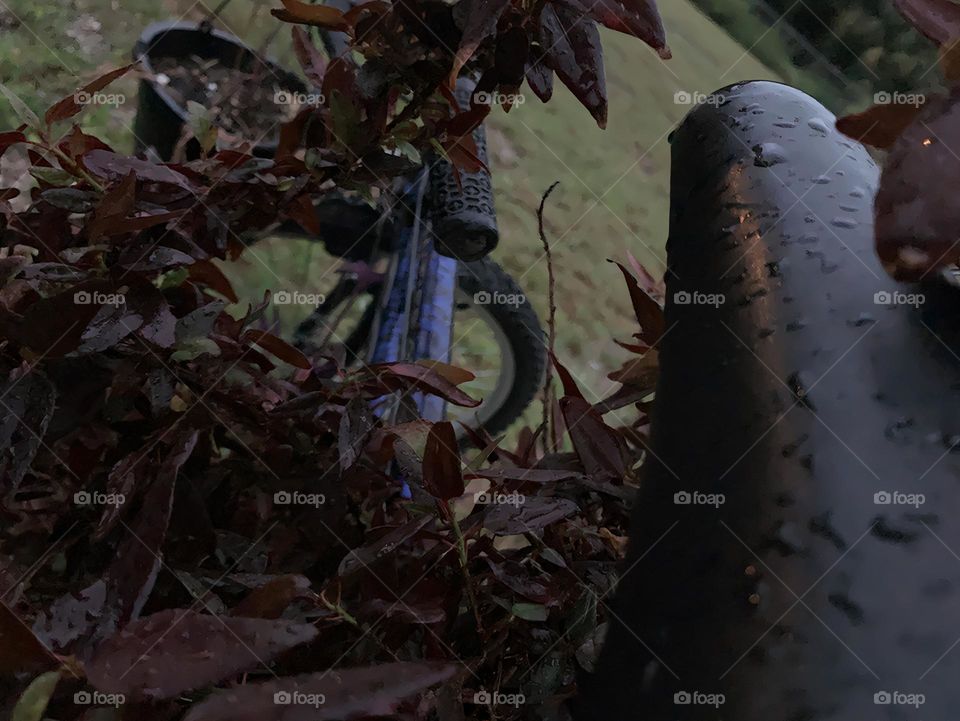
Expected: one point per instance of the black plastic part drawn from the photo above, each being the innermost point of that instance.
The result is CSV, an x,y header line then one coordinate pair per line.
x,y
347,226
464,219
160,119
808,398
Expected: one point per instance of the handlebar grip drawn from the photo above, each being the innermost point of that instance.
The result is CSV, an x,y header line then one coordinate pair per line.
x,y
464,218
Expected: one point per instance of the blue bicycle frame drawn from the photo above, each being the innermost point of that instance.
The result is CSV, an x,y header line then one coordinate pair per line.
x,y
415,320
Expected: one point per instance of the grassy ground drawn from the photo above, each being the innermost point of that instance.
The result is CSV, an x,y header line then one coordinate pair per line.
x,y
613,196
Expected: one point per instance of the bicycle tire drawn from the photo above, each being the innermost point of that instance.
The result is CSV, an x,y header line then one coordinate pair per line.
x,y
517,321
520,325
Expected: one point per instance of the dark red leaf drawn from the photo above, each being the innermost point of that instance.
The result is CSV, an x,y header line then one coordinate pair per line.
x,y
419,377
277,346
353,693
68,106
105,164
303,211
570,387
481,21
463,154
597,444
28,401
918,176
322,16
207,273
116,204
442,475
639,18
575,54
939,20
527,475
312,61
879,125
540,79
163,655
70,617
356,425
362,557
10,138
272,599
131,576
20,649
648,311
532,514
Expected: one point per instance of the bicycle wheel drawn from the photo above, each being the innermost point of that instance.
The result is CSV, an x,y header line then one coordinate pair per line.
x,y
497,336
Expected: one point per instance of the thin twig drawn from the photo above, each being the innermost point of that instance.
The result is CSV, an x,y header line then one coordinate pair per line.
x,y
551,325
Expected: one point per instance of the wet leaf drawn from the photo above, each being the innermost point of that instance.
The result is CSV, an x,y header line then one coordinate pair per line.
x,y
532,514
106,164
163,655
575,54
71,616
356,425
384,546
639,18
27,402
131,576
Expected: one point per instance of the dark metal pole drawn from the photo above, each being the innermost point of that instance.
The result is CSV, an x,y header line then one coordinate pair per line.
x,y
795,548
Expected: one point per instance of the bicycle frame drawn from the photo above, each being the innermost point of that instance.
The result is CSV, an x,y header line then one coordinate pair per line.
x,y
415,317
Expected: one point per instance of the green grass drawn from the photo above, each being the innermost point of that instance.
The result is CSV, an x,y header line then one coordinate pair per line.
x,y
614,192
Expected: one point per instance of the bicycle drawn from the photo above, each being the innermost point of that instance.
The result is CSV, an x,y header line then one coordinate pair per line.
x,y
410,310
